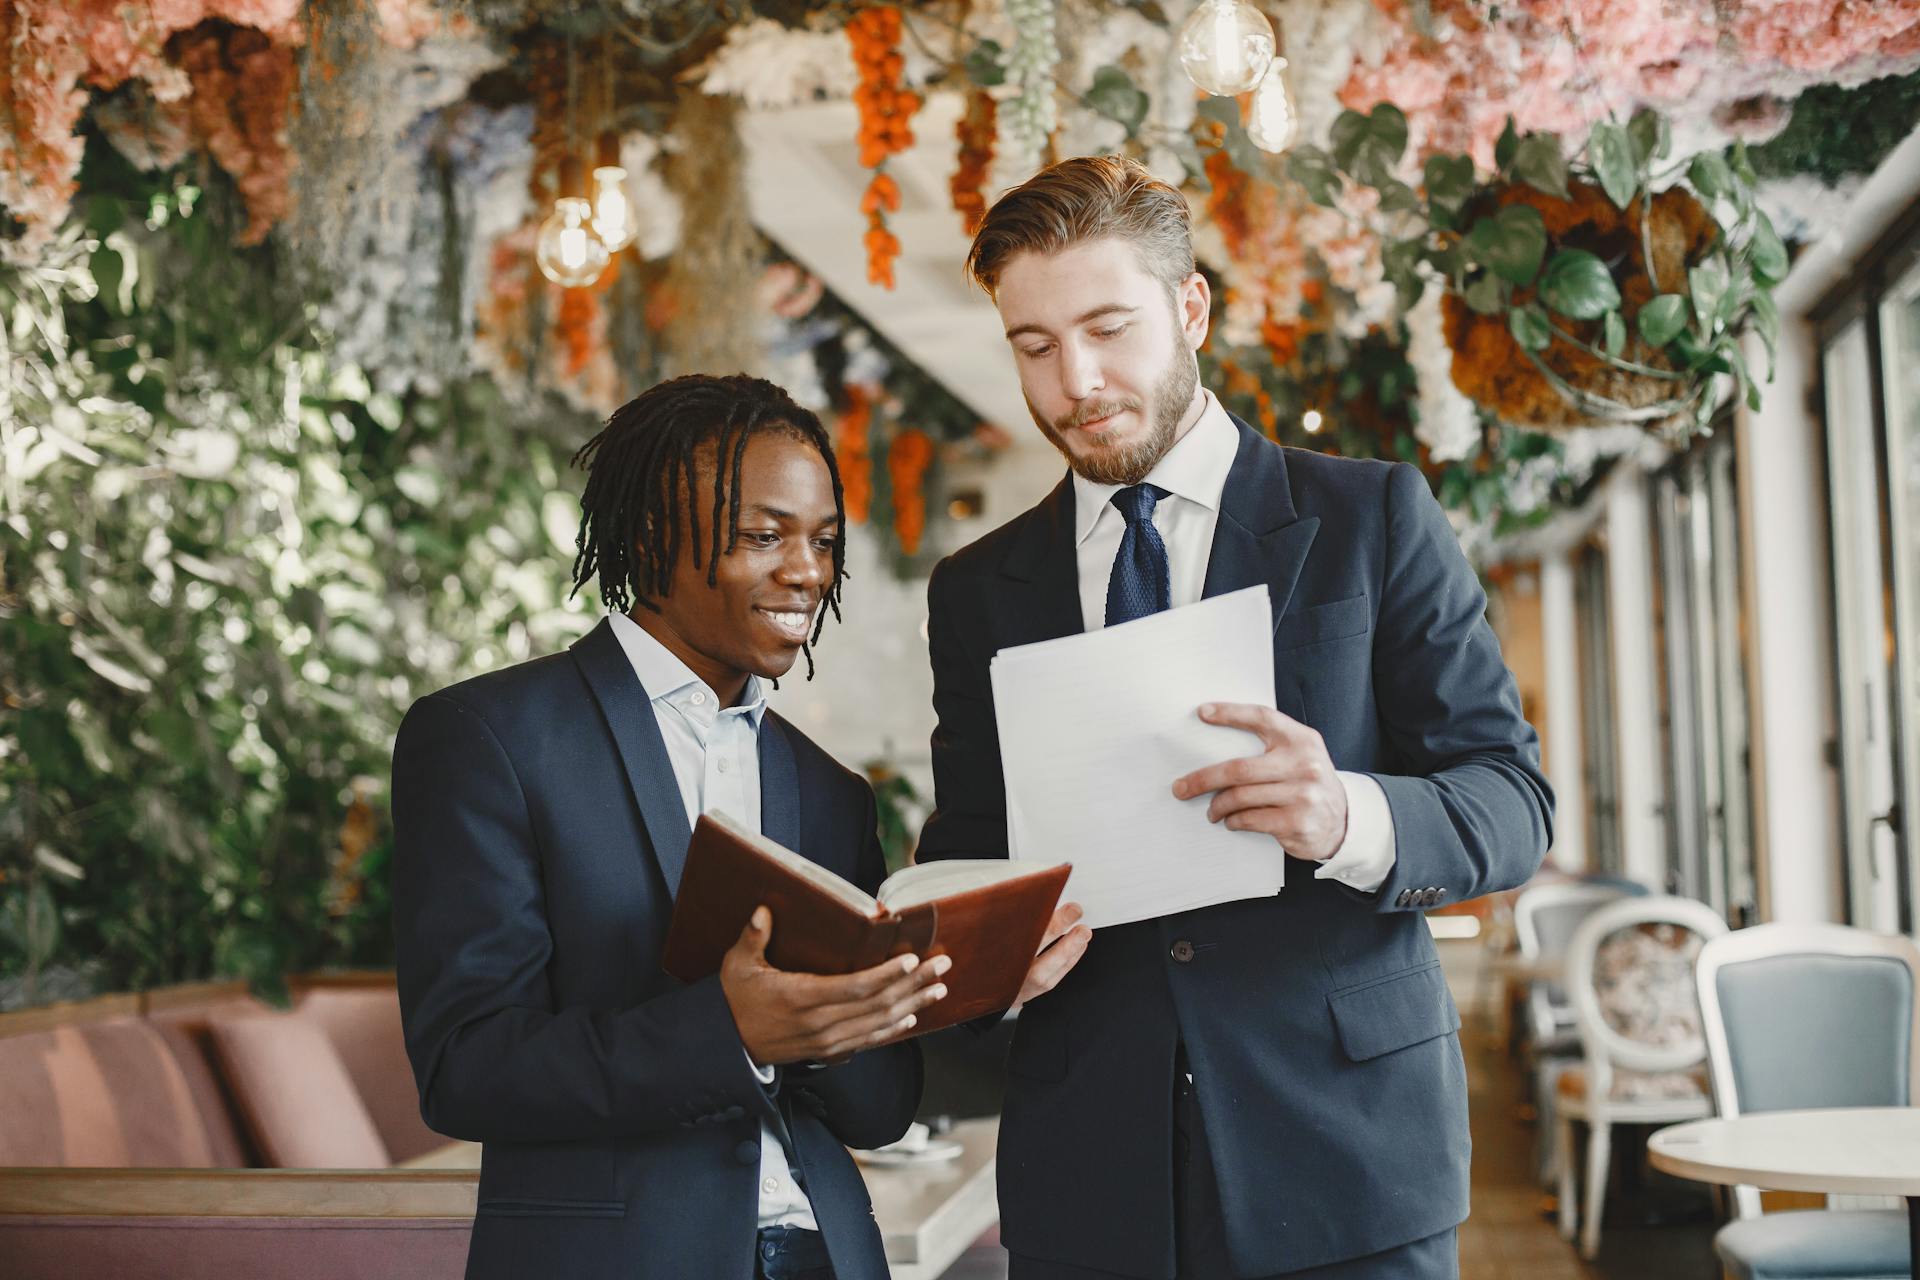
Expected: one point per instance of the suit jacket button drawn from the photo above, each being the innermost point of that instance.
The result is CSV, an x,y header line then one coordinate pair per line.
x,y
747,1152
1439,895
1182,951
1405,898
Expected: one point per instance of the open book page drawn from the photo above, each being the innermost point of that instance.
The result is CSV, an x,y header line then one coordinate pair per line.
x,y
805,868
1094,729
911,886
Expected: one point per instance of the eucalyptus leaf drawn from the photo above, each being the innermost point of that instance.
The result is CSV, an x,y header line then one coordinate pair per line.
x,y
986,64
1615,338
1538,162
1612,152
1767,253
1487,295
1530,327
1708,282
1114,95
1651,136
1578,284
1710,175
1661,318
1511,242
1313,170
1505,146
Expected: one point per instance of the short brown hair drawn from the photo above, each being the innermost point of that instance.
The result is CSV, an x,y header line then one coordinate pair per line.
x,y
1086,198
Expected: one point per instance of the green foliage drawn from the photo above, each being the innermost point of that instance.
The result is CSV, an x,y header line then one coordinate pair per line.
x,y
1836,132
226,568
1479,241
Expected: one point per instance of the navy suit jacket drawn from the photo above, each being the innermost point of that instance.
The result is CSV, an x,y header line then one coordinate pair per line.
x,y
539,839
1317,1022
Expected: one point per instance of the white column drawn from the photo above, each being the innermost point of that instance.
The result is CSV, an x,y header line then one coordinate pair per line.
x,y
1565,746
1783,510
1636,697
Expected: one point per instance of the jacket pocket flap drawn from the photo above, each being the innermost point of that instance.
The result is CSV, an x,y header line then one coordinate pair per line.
x,y
1394,1012
1322,622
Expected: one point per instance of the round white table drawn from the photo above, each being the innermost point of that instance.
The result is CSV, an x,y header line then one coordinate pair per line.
x,y
1862,1151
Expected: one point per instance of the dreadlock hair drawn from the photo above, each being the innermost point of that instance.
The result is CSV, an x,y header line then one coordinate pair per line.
x,y
647,457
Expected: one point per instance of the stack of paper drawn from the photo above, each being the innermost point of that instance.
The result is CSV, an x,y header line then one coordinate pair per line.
x,y
1094,729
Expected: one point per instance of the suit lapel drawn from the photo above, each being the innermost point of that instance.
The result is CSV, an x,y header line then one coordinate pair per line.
x,y
779,784
1042,573
628,709
1259,537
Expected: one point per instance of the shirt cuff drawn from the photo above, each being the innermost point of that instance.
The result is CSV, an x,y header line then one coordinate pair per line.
x,y
1366,857
766,1074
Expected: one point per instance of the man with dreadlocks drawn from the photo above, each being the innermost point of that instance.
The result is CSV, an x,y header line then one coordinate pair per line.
x,y
635,1126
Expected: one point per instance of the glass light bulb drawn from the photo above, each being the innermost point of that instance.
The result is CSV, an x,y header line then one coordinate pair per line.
x,y
1273,122
1225,46
613,219
1312,421
570,254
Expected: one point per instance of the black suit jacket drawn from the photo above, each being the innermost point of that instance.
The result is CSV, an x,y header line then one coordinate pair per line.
x,y
540,837
1318,1023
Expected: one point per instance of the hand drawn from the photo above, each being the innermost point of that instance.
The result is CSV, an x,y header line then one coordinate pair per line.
x,y
799,1017
1065,942
1290,790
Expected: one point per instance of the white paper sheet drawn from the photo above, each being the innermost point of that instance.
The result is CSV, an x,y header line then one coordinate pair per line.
x,y
1094,729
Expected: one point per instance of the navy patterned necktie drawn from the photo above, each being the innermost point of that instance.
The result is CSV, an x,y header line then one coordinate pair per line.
x,y
1139,584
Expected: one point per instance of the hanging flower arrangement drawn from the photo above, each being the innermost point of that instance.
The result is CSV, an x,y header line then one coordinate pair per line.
x,y
853,453
1589,291
886,120
907,461
974,133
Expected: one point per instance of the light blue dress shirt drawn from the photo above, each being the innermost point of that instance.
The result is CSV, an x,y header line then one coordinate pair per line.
x,y
715,752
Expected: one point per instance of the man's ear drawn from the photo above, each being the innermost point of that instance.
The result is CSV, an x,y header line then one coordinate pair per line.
x,y
1194,305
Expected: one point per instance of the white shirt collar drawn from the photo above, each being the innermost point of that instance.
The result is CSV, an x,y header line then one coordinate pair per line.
x,y
667,679
1195,469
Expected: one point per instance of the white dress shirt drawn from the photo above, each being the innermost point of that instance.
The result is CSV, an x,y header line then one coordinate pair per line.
x,y
715,752
1194,474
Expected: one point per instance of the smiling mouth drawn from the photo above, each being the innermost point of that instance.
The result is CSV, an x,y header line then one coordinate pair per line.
x,y
790,622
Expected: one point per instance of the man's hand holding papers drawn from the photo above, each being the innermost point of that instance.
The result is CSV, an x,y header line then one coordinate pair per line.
x,y
1290,791
1093,729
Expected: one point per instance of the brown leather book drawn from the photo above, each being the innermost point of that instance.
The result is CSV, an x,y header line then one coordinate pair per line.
x,y
989,914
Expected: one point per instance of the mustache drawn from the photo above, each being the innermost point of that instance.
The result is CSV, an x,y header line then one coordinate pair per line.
x,y
1094,412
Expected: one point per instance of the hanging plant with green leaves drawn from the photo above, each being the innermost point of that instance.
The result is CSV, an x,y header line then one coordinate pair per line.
x,y
1610,287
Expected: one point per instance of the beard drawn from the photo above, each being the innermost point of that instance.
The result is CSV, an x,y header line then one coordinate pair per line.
x,y
1127,462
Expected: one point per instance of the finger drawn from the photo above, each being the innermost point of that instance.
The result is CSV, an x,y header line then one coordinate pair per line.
x,y
859,1003
1271,726
1064,917
1233,773
1270,795
1281,824
1055,962
866,1032
756,935
862,984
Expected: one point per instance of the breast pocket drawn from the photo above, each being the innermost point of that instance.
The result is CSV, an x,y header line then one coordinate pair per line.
x,y
1323,623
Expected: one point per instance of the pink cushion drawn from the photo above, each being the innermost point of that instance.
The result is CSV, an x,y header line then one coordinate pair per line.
x,y
299,1103
106,1094
364,1025
185,1030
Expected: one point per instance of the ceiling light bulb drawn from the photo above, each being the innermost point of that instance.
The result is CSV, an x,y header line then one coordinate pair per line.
x,y
1226,46
570,254
613,216
1273,122
1311,420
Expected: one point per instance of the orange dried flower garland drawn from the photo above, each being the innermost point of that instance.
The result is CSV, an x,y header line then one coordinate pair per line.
x,y
975,133
907,463
886,117
854,455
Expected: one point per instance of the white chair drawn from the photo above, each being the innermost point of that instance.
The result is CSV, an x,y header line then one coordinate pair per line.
x,y
1639,1026
1803,1016
1544,919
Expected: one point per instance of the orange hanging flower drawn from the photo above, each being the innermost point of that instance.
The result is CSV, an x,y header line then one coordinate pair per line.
x,y
886,114
907,463
853,454
975,133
